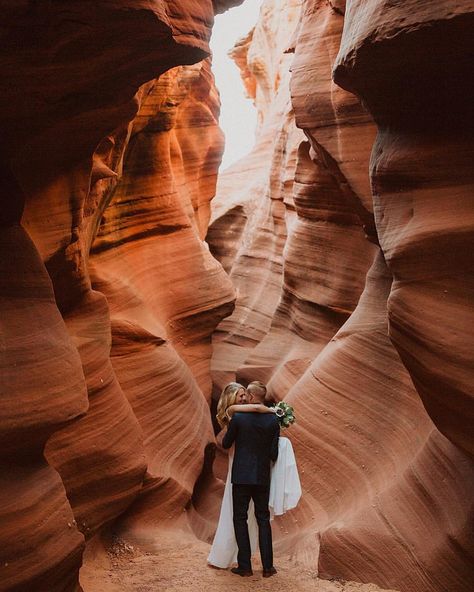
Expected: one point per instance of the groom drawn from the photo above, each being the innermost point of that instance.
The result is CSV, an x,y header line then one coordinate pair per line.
x,y
256,445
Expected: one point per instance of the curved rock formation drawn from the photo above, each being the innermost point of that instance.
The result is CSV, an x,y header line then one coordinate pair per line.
x,y
254,197
368,453
422,179
66,136
42,390
165,291
347,236
376,471
325,261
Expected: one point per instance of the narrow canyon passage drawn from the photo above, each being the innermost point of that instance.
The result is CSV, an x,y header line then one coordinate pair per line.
x,y
332,262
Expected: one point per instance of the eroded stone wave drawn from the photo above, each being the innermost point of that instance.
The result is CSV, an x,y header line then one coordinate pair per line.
x,y
389,143
75,75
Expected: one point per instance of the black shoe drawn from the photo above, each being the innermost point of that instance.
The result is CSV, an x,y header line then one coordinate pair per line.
x,y
245,573
267,573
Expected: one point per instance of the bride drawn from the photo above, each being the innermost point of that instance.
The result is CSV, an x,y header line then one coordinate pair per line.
x,y
285,488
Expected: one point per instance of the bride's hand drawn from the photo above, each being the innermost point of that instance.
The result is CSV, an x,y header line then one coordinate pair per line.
x,y
231,410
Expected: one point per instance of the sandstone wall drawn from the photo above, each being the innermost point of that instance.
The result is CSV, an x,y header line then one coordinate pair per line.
x,y
107,172
166,293
375,361
347,236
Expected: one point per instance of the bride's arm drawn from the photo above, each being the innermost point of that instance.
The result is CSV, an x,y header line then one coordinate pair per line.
x,y
251,407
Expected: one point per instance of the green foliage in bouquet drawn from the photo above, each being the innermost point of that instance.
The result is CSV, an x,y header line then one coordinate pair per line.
x,y
285,414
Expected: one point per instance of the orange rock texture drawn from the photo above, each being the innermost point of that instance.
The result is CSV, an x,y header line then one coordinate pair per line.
x,y
335,264
422,183
166,293
108,293
355,301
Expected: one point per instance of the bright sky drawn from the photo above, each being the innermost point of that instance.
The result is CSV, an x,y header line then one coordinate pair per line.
x,y
238,115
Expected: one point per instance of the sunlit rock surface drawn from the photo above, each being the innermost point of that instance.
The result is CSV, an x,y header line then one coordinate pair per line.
x,y
347,236
254,204
81,103
422,179
380,381
165,291
302,253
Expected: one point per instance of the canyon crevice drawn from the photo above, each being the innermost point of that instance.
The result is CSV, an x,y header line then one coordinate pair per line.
x,y
334,262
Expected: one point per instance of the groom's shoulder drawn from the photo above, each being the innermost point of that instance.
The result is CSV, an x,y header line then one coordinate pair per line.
x,y
240,416
255,417
246,416
272,420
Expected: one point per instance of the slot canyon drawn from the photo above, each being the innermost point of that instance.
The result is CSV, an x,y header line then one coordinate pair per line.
x,y
334,262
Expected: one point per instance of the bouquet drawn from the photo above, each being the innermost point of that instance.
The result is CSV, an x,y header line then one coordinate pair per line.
x,y
285,414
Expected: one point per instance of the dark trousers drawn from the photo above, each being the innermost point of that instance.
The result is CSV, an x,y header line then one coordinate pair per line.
x,y
241,496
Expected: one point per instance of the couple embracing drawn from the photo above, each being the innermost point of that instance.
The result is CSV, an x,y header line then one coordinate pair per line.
x,y
262,479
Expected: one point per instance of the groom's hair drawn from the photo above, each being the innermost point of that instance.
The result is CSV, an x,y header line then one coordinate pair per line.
x,y
257,389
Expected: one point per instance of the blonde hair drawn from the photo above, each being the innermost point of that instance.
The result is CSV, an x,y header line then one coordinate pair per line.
x,y
258,389
228,397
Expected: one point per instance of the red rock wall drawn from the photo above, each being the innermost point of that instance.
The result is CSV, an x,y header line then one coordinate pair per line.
x,y
379,380
109,295
254,203
422,182
165,291
107,174
43,389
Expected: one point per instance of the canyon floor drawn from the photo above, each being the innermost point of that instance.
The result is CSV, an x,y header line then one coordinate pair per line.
x,y
179,565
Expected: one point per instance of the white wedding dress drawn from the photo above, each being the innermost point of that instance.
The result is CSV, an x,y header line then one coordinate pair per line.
x,y
285,492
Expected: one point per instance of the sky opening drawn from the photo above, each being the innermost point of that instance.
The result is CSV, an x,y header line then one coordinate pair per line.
x,y
238,115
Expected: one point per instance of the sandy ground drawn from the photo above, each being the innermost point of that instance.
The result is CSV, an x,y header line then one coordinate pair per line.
x,y
179,565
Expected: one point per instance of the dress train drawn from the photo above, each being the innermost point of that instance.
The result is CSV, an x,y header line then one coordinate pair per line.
x,y
285,492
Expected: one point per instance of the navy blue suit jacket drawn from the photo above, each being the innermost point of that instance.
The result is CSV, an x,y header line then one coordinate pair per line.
x,y
256,445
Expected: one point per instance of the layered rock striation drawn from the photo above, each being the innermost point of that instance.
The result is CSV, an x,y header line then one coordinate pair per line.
x,y
165,291
344,238
97,345
363,324
43,390
422,181
248,229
